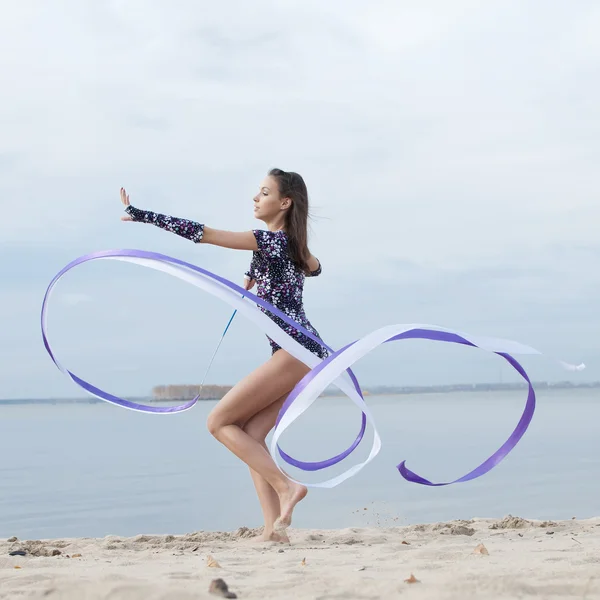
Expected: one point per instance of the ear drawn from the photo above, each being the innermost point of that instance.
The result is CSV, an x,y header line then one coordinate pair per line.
x,y
286,203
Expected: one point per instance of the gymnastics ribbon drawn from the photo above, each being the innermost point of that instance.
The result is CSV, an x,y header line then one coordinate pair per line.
x,y
333,370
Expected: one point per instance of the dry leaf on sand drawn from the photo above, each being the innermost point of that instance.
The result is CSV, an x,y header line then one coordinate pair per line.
x,y
481,549
303,563
412,579
211,562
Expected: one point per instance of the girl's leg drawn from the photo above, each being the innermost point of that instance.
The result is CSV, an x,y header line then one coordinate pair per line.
x,y
257,391
258,427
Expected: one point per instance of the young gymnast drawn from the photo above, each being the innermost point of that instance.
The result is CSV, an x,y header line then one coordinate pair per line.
x,y
281,260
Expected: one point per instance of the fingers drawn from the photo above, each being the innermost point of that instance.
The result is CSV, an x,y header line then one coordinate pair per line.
x,y
124,197
125,201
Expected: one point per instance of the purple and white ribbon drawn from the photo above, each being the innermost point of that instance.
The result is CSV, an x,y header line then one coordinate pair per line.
x,y
336,369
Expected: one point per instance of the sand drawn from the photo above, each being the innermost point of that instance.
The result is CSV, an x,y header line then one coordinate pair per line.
x,y
482,558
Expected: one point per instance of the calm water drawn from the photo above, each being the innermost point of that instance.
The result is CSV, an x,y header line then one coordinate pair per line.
x,y
94,470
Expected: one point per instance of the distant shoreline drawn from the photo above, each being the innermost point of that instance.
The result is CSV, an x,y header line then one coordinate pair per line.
x,y
332,393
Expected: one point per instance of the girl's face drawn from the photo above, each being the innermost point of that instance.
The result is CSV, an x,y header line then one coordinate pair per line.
x,y
268,203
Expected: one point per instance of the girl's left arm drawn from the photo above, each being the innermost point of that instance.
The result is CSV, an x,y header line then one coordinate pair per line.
x,y
193,231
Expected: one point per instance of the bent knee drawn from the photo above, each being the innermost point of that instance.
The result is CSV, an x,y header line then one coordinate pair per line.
x,y
214,423
216,420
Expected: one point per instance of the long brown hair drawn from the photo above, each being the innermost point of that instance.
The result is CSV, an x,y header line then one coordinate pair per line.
x,y
291,185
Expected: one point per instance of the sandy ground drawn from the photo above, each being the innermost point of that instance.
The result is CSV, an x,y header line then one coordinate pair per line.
x,y
483,558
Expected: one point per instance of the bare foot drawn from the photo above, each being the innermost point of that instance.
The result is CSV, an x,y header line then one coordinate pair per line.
x,y
294,494
270,536
279,538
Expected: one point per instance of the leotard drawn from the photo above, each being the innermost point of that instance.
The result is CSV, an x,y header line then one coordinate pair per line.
x,y
279,281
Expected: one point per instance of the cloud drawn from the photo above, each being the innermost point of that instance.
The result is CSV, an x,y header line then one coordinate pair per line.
x,y
450,152
73,299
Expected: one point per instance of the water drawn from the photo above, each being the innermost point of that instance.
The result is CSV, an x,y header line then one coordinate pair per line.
x,y
94,470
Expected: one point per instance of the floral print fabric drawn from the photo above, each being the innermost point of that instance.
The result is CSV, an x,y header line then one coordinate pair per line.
x,y
278,280
281,283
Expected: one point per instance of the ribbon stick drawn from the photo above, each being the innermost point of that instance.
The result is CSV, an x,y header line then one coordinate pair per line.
x,y
212,358
336,369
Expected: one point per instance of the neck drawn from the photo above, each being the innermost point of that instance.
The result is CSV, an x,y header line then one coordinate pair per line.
x,y
276,223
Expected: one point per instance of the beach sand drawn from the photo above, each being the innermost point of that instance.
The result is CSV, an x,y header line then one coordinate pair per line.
x,y
481,558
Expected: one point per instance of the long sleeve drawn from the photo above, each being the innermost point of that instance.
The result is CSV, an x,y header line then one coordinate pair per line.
x,y
251,272
190,230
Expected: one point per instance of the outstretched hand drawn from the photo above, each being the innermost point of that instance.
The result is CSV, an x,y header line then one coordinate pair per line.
x,y
125,201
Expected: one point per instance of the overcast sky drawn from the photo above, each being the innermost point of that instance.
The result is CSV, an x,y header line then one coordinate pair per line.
x,y
451,152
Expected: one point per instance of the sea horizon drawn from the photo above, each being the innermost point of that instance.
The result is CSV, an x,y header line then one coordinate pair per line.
x,y
332,392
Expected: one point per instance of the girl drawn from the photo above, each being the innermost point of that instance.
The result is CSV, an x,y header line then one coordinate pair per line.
x,y
280,262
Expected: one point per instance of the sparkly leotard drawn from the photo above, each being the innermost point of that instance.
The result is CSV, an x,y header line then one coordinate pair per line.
x,y
279,281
